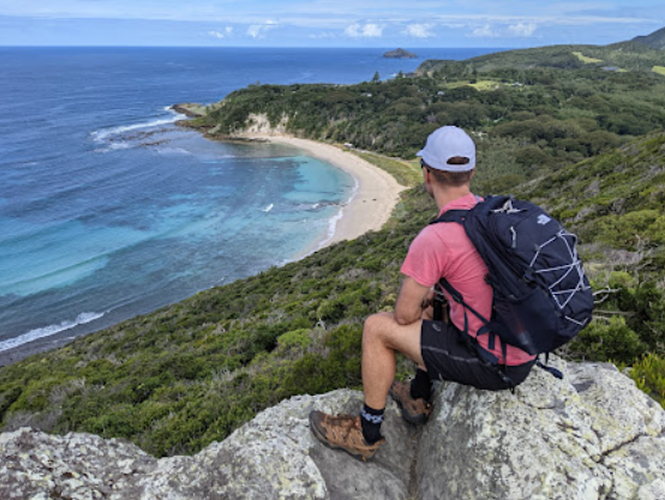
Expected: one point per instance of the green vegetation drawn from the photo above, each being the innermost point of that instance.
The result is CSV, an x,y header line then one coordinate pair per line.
x,y
406,173
585,142
189,374
655,40
531,111
659,69
629,55
649,374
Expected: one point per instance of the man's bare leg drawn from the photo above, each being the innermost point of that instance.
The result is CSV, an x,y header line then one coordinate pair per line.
x,y
360,436
382,336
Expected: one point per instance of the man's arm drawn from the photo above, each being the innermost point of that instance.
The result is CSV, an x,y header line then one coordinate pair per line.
x,y
413,299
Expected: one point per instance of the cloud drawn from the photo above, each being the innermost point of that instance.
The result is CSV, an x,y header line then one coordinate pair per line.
x,y
228,31
260,30
419,30
322,36
485,31
522,29
369,30
503,29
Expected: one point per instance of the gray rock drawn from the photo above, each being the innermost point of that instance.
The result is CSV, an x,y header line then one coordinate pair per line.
x,y
591,436
582,437
36,465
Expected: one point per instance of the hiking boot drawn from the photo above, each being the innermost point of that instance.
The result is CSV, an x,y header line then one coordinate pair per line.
x,y
415,411
344,432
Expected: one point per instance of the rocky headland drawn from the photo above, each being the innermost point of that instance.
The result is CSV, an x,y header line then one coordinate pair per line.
x,y
593,435
191,110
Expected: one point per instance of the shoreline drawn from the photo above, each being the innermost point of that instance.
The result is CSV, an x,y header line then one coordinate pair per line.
x,y
369,208
374,198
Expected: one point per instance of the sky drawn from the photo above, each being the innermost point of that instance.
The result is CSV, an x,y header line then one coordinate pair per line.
x,y
326,23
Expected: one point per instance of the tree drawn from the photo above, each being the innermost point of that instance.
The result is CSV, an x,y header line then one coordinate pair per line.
x,y
376,78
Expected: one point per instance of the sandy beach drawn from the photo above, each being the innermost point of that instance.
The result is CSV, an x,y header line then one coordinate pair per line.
x,y
375,197
377,192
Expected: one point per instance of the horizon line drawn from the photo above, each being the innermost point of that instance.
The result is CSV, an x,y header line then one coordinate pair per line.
x,y
267,46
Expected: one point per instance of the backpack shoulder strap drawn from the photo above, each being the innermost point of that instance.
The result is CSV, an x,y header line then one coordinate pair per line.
x,y
457,297
483,354
459,216
451,216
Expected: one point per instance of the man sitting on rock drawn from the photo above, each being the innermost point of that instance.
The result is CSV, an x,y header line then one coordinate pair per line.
x,y
438,347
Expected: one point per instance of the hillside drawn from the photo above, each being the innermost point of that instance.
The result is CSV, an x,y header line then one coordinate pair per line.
x,y
655,40
624,56
616,199
176,380
586,143
642,53
533,119
616,205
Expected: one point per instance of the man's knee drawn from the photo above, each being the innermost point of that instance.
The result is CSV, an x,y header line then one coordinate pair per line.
x,y
376,328
383,329
371,328
376,324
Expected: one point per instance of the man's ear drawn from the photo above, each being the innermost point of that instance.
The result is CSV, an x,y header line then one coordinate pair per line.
x,y
428,174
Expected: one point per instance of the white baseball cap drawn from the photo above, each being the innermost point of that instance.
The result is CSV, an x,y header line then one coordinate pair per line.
x,y
446,143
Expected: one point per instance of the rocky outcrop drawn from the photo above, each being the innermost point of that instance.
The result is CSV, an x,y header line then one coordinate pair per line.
x,y
592,436
259,124
257,128
192,110
587,436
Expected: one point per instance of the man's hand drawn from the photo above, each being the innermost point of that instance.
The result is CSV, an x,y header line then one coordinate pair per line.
x,y
428,306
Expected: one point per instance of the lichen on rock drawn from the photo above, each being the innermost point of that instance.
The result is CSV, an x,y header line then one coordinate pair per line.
x,y
593,435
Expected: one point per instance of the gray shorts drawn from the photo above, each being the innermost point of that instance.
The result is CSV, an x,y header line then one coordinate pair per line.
x,y
449,356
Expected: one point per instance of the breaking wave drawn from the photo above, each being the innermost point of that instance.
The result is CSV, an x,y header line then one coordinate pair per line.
x,y
105,133
48,331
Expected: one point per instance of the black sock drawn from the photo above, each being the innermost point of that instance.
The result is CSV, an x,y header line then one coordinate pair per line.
x,y
371,421
421,386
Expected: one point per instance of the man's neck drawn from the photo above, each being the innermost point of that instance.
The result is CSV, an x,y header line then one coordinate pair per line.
x,y
444,195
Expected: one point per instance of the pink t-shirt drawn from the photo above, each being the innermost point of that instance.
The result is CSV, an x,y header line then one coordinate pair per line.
x,y
444,250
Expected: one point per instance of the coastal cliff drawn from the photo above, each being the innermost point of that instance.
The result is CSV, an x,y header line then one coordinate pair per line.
x,y
255,125
593,435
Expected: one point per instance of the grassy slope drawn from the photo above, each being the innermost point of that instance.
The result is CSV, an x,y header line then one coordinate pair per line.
x,y
616,205
627,55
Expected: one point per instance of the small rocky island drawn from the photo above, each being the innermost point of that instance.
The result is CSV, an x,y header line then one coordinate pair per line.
x,y
400,54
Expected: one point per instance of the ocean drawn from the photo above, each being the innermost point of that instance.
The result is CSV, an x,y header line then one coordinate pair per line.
x,y
109,210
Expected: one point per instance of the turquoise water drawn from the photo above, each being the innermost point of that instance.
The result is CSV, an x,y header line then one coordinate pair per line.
x,y
109,210
207,214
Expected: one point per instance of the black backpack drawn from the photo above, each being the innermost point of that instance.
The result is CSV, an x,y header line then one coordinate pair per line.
x,y
542,298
